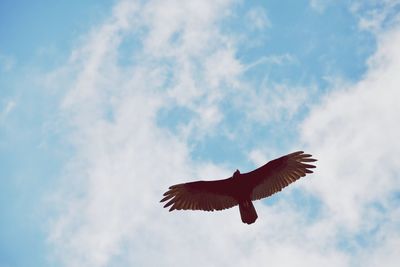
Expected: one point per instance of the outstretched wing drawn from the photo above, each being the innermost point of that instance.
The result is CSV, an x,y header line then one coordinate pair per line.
x,y
200,195
278,173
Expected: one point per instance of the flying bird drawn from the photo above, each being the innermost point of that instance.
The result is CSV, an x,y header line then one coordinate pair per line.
x,y
241,188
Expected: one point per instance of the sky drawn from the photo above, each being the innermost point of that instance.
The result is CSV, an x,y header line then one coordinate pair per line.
x,y
104,104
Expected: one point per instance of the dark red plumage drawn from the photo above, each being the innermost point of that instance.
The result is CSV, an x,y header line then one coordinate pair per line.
x,y
240,189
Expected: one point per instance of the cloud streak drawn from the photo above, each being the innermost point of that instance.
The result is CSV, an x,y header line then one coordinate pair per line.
x,y
9,106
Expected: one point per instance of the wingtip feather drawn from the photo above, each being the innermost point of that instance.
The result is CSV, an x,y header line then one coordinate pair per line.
x,y
308,160
167,193
296,153
307,166
166,198
169,203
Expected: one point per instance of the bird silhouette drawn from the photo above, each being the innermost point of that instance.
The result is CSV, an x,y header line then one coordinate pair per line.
x,y
241,188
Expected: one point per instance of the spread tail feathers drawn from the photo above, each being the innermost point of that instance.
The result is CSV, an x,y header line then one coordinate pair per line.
x,y
247,212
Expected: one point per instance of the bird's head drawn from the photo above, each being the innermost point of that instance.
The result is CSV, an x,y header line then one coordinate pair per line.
x,y
236,174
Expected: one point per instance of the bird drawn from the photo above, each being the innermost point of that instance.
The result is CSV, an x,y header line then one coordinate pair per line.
x,y
241,188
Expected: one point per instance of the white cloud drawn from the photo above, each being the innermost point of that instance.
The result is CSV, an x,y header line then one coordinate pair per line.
x,y
354,132
7,62
257,18
123,163
8,107
222,67
319,5
271,102
387,253
378,15
257,157
108,208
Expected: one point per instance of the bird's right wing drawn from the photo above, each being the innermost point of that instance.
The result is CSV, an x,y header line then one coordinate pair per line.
x,y
200,195
278,173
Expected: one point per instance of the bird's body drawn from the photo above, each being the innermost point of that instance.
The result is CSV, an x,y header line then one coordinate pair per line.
x,y
240,189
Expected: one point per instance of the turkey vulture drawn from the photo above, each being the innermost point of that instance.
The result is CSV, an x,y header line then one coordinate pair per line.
x,y
240,189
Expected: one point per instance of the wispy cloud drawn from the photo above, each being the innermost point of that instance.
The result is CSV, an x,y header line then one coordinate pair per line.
x,y
319,5
7,62
257,18
375,15
117,153
150,56
8,107
354,133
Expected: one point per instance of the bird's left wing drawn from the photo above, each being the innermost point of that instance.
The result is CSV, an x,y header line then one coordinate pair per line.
x,y
278,173
200,195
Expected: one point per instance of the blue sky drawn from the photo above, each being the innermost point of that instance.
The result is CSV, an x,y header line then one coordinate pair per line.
x,y
35,38
93,95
